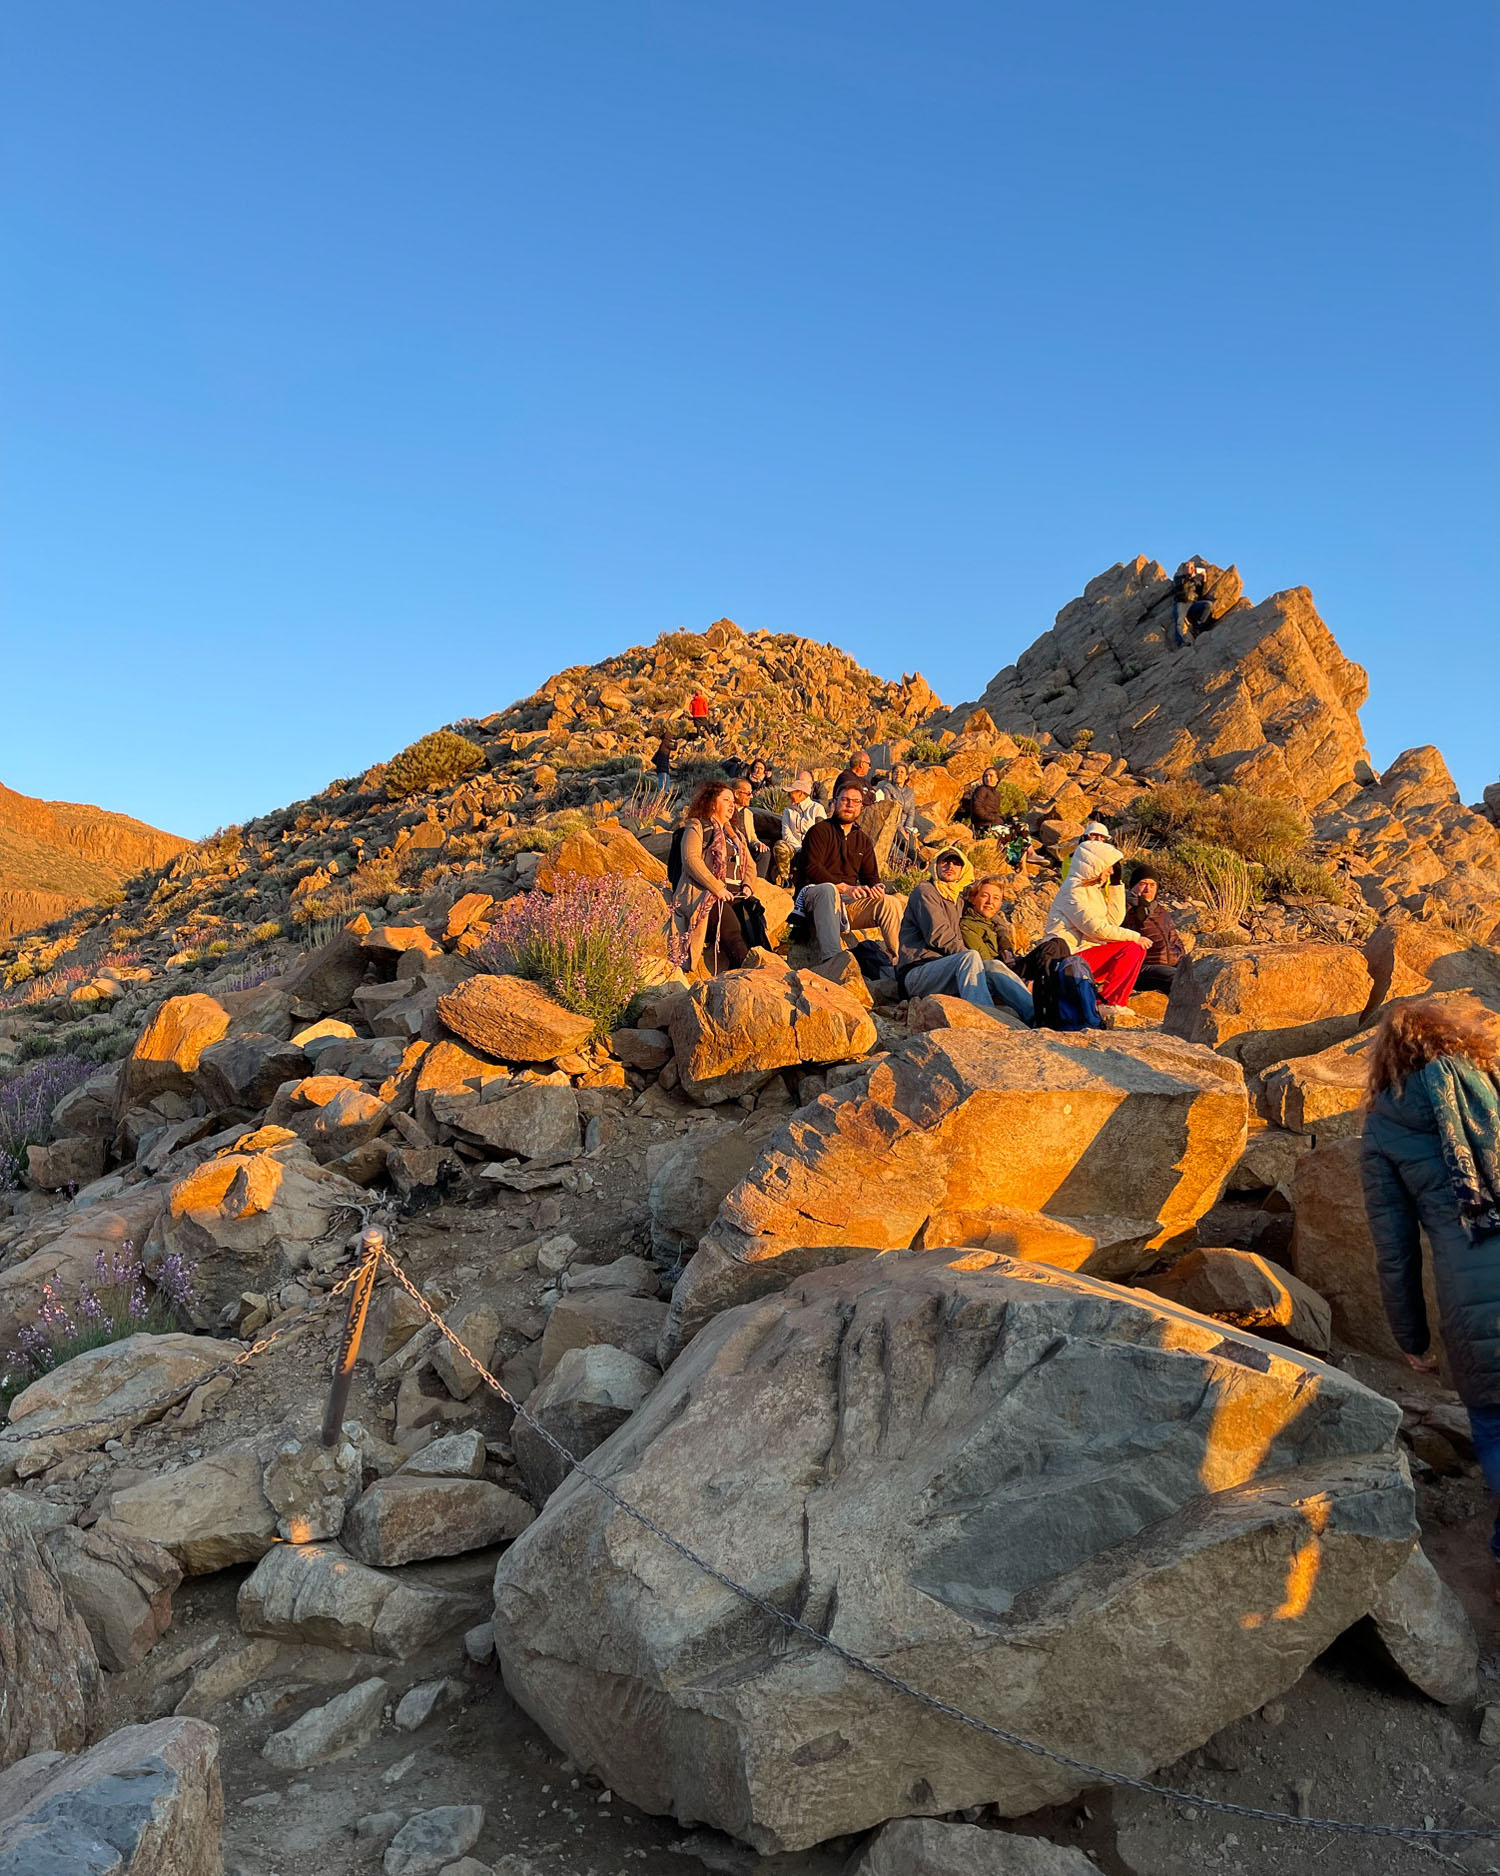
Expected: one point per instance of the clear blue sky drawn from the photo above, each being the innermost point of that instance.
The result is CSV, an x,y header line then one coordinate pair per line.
x,y
366,361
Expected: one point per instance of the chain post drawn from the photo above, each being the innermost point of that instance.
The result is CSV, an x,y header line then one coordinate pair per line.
x,y
372,1247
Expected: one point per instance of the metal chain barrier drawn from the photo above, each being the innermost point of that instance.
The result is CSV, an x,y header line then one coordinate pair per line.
x,y
360,1281
1094,1774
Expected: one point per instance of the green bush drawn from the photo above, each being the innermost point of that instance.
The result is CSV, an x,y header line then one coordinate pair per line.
x,y
1303,879
1256,827
1220,878
1028,746
1014,799
925,752
433,761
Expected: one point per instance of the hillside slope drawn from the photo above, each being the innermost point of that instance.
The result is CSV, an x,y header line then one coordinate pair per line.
x,y
59,855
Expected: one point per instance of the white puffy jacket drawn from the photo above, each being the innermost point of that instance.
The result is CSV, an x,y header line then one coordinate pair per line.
x,y
1087,909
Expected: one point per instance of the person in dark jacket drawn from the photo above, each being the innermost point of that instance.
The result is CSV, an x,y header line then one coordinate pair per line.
x,y
934,958
1430,1161
661,760
1190,610
1145,913
986,809
857,775
837,880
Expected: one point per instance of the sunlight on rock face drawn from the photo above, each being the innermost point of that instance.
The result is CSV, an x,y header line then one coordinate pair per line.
x,y
1247,1417
1302,1567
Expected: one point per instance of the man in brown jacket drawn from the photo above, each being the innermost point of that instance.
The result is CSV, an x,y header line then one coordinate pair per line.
x,y
838,880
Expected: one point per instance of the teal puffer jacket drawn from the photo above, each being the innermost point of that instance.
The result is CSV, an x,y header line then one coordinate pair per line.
x,y
1408,1186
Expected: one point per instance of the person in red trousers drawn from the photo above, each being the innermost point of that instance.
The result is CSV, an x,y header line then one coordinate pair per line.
x,y
1088,915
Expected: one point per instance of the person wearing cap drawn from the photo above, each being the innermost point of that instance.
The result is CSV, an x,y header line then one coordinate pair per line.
x,y
1146,913
1096,830
1087,913
798,818
935,960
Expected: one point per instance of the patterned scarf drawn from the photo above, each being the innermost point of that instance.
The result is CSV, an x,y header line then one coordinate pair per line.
x,y
1466,1101
716,847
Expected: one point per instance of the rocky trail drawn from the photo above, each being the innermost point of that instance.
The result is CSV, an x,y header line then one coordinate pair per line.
x,y
1046,1371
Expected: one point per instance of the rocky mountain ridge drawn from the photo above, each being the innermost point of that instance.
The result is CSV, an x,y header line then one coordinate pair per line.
x,y
56,856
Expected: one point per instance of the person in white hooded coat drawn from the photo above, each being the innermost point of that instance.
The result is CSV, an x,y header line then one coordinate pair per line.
x,y
1087,913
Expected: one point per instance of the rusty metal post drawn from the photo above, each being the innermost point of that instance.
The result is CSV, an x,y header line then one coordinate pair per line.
x,y
371,1244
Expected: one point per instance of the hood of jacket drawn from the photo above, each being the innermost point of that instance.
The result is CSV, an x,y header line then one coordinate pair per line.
x,y
952,888
1092,857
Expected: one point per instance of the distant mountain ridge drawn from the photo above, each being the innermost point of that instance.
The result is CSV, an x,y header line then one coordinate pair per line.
x,y
56,856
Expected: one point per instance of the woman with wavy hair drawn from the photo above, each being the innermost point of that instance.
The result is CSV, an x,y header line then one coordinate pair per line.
x,y
717,869
1430,1160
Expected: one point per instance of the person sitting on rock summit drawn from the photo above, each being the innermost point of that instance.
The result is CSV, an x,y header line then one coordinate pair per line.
x,y
800,815
1430,1163
1189,608
760,775
1096,830
744,820
934,960
1146,913
987,931
1087,913
661,759
717,869
857,775
837,879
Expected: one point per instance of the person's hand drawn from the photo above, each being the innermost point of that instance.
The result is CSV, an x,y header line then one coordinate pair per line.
x,y
722,892
1142,941
1421,1364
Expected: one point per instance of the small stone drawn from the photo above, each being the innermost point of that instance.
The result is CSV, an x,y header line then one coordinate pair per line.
x,y
427,1843
479,1644
555,1254
1489,1725
453,1456
1273,1713
377,1828
418,1704
393,1774
350,1719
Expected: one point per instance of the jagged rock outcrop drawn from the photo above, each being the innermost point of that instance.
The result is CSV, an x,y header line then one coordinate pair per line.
x,y
892,1452
55,855
1264,700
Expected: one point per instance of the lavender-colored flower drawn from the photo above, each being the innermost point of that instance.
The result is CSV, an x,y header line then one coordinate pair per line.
x,y
27,1099
587,941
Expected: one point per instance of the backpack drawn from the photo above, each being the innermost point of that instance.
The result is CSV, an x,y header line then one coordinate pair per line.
x,y
674,860
1065,996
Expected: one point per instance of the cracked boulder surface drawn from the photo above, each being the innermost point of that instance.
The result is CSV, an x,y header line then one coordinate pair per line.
x,y
1126,1137
1094,1519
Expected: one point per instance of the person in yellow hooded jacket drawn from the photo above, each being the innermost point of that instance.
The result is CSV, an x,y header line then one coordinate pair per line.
x,y
933,958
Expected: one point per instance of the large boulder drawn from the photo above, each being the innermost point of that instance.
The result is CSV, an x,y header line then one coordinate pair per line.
x,y
958,1131
1266,700
1093,1519
1410,957
166,1055
49,1673
1264,1003
248,1220
319,1593
114,1389
66,1257
731,1034
408,1518
512,1020
146,1801
245,1071
1334,1253
209,1515
122,1587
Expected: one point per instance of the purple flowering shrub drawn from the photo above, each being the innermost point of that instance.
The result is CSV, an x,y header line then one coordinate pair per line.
x,y
586,942
120,1301
27,1099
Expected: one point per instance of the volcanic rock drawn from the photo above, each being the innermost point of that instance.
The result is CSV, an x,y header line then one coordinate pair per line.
x,y
731,1034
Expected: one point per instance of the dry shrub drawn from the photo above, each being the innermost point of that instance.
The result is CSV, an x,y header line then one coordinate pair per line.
x,y
433,761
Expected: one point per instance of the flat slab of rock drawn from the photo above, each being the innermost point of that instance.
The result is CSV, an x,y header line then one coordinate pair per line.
x,y
168,1051
407,1518
634,1323
731,1034
349,1720
319,1593
923,1846
209,1515
589,1393
1140,1126
427,1843
116,1385
512,1020
146,1801
1103,1522
49,1673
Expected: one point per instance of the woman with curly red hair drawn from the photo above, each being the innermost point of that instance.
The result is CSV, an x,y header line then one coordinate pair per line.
x,y
1430,1160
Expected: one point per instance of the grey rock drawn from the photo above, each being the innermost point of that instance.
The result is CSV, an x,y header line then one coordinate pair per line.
x,y
311,1486
418,1704
377,1828
588,1394
479,1331
210,1515
146,1801
49,1672
453,1456
479,1643
924,1846
407,1518
319,1593
1105,1523
350,1719
121,1585
425,1844
633,1323
1427,1632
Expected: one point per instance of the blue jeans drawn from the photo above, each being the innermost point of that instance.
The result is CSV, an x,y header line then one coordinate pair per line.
x,y
1484,1424
965,974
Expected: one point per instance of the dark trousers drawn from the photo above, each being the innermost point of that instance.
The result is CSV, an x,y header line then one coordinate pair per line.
x,y
1157,977
725,941
1484,1425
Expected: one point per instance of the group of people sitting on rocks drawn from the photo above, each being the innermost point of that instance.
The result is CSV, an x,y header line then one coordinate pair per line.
x,y
946,937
